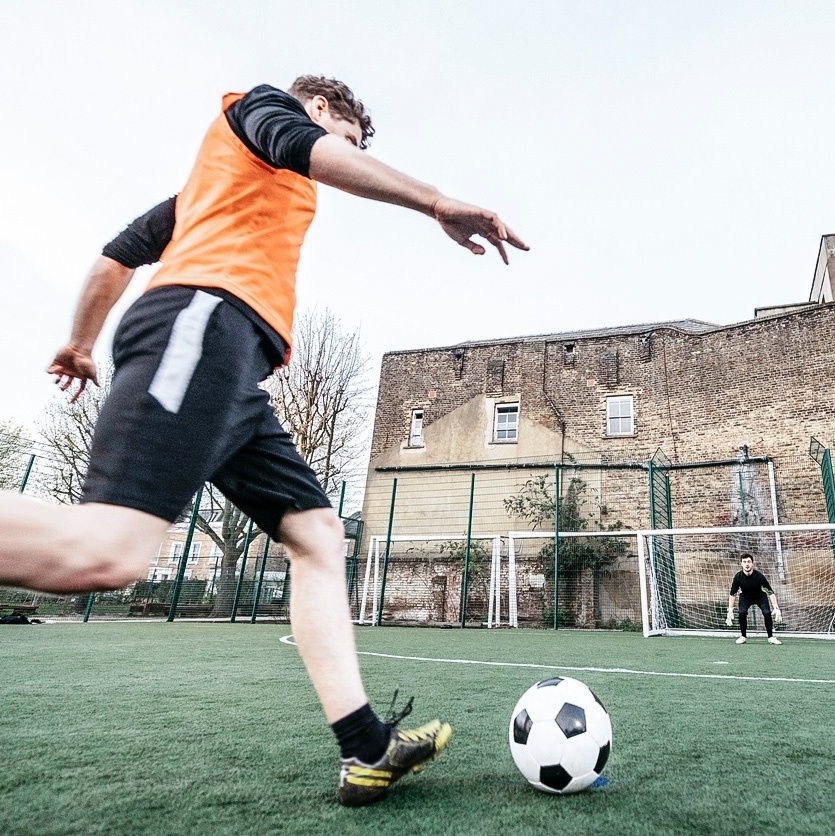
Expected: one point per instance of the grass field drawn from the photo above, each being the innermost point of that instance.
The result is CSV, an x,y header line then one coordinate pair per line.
x,y
207,729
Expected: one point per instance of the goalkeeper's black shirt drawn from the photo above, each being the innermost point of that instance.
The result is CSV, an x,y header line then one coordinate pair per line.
x,y
751,586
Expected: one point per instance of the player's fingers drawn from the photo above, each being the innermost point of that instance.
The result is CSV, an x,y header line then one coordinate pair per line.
x,y
513,239
502,252
473,247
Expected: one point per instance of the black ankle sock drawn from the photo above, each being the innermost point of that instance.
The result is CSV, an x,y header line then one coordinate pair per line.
x,y
362,735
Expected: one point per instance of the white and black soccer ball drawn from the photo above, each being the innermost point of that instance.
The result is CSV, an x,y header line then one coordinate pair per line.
x,y
560,735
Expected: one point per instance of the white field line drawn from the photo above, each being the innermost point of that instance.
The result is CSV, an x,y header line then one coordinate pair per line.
x,y
624,671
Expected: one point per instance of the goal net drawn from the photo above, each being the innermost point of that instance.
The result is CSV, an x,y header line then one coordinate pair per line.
x,y
686,575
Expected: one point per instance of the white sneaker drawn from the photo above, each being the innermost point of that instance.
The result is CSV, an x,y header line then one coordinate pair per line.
x,y
741,640
774,640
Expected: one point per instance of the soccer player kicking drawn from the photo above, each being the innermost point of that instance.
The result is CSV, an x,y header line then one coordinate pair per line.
x,y
185,406
753,588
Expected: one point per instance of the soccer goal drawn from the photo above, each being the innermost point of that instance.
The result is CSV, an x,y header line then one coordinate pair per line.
x,y
686,574
420,578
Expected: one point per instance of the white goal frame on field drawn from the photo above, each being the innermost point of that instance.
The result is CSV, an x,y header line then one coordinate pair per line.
x,y
785,577
653,616
372,583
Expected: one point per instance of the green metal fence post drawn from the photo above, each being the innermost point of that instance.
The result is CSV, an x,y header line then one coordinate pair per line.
x,y
386,556
88,607
556,545
181,569
257,594
25,478
244,553
466,576
341,498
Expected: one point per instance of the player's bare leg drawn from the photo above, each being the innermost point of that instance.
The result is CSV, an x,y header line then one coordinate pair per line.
x,y
322,627
319,612
78,548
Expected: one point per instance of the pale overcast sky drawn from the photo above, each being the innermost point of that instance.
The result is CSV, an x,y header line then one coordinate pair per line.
x,y
664,160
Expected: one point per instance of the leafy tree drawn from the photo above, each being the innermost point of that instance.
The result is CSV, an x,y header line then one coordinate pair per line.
x,y
580,558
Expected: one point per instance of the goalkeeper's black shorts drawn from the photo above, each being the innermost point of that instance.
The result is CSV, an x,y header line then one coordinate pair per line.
x,y
760,601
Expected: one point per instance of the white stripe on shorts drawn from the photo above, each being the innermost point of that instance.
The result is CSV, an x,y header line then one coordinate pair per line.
x,y
183,352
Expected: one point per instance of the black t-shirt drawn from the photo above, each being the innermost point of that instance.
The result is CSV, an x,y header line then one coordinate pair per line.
x,y
751,586
275,127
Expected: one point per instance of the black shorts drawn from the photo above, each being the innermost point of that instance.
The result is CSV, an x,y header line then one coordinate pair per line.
x,y
760,601
185,408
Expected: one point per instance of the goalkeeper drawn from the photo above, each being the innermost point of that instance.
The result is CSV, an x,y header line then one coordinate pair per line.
x,y
753,588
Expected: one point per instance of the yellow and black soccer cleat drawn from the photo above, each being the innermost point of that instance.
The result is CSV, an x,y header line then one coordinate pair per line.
x,y
408,751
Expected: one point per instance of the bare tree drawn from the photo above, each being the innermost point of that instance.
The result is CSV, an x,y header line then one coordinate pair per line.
x,y
322,398
13,447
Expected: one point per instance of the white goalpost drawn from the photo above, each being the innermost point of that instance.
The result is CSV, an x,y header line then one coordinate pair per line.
x,y
369,612
686,574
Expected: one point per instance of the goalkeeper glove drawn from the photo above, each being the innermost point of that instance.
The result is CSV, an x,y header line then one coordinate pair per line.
x,y
730,619
778,616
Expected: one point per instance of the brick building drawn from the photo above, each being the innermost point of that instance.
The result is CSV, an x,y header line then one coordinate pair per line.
x,y
463,428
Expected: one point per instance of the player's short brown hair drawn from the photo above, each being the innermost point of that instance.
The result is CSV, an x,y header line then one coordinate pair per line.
x,y
341,100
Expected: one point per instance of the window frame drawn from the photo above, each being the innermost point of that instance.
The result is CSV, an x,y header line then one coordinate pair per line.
x,y
611,400
416,439
505,408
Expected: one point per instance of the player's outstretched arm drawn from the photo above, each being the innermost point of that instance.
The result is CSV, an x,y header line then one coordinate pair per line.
x,y
337,163
105,283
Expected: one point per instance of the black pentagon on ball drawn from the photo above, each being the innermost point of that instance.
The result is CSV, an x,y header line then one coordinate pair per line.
x,y
548,683
571,720
554,777
522,727
602,758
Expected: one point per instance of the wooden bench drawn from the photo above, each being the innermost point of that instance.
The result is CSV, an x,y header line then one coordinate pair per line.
x,y
24,609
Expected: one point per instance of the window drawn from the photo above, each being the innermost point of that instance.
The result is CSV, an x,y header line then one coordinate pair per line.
x,y
176,551
416,431
619,415
506,422
195,552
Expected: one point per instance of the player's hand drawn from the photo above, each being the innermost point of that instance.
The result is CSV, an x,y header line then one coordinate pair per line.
x,y
778,616
461,221
729,620
71,364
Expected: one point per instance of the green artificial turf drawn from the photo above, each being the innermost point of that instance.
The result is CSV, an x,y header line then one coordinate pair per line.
x,y
204,729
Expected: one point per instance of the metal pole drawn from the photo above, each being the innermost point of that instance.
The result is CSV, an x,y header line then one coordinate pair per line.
x,y
25,478
90,598
244,554
181,569
257,594
466,575
386,557
341,498
556,546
